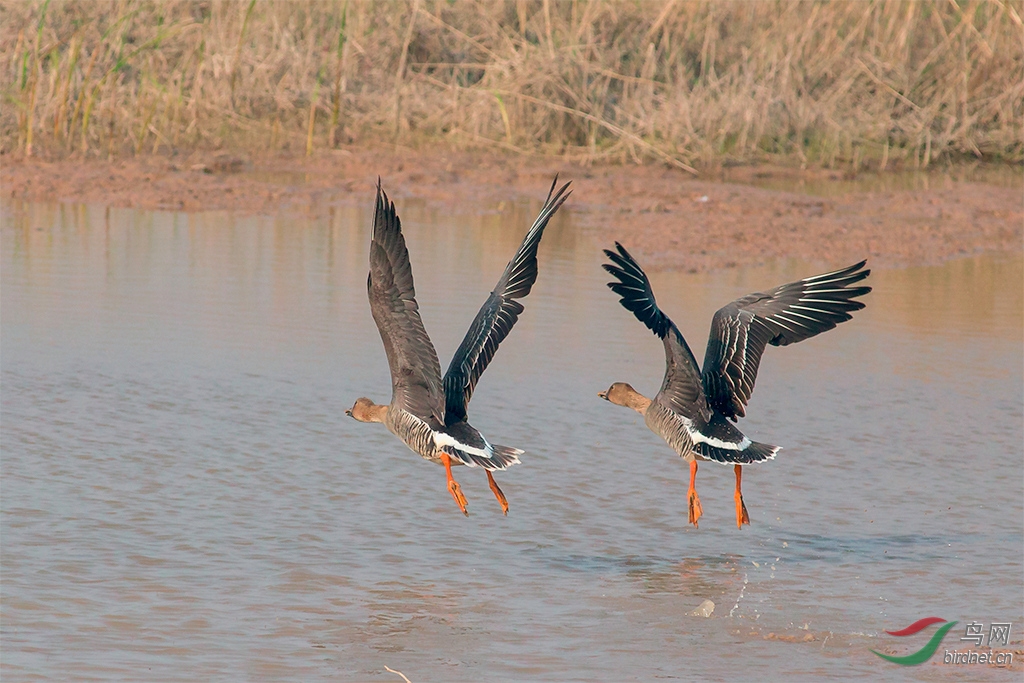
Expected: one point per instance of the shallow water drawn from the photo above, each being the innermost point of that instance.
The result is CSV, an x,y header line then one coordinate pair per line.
x,y
183,497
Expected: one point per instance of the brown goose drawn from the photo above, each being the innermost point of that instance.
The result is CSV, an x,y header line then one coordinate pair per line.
x,y
428,412
692,410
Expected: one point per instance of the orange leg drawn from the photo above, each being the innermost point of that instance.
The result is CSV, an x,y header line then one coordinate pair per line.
x,y
453,486
497,493
691,495
741,510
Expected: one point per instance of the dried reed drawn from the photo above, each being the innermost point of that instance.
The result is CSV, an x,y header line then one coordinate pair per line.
x,y
863,84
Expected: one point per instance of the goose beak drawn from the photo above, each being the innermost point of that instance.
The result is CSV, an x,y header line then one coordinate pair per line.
x,y
603,394
349,413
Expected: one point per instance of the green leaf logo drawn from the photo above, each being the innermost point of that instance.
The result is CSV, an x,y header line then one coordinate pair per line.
x,y
925,653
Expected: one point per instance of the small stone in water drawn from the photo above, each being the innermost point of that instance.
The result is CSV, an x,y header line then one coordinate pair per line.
x,y
705,609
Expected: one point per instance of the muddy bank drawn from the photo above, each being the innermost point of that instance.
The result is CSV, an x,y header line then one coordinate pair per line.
x,y
665,215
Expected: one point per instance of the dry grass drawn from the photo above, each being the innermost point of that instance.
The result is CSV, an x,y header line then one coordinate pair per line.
x,y
686,83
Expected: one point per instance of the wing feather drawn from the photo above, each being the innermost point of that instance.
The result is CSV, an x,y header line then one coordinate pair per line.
x,y
785,315
498,314
681,390
415,370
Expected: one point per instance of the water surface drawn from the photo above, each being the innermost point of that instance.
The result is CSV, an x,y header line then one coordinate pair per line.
x,y
183,497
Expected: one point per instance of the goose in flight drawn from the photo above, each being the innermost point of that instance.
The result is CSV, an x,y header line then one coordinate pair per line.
x,y
428,411
692,410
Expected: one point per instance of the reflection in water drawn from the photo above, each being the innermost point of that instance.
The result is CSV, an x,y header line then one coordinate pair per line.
x,y
182,495
697,577
1003,175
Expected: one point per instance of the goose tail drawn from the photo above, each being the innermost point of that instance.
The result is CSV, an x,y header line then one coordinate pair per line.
x,y
754,452
504,457
494,458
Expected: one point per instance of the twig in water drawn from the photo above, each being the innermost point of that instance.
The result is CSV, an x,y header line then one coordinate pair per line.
x,y
404,678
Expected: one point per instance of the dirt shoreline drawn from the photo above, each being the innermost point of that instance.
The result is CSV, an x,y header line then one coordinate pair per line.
x,y
669,218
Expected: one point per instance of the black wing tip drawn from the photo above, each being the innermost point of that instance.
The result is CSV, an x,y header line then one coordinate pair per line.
x,y
622,257
552,204
624,279
554,182
620,252
853,269
384,212
854,274
623,265
837,285
850,274
634,290
556,198
382,197
551,190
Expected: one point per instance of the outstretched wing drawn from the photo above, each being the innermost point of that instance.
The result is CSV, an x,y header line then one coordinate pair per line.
x,y
498,314
415,370
784,315
681,390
